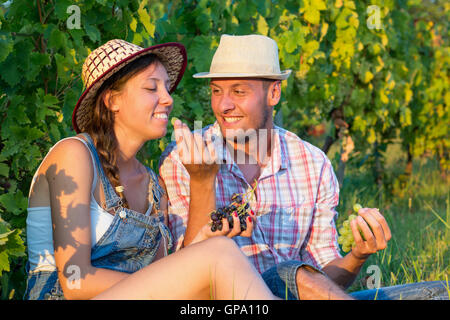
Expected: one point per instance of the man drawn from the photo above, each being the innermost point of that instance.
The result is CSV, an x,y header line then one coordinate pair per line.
x,y
293,242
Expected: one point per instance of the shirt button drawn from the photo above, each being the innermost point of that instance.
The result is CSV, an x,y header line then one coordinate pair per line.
x,y
122,214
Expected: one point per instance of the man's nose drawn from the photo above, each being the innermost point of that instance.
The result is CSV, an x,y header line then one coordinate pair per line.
x,y
226,103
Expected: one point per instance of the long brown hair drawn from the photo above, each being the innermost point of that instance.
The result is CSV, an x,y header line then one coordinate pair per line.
x,y
101,128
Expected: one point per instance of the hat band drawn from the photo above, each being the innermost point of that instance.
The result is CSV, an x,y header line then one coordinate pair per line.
x,y
250,68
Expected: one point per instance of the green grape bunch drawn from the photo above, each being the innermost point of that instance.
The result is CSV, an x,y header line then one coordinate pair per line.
x,y
346,239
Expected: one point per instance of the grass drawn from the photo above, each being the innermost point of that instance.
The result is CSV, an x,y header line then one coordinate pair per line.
x,y
418,213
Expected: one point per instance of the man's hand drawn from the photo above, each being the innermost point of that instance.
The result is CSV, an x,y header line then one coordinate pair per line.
x,y
375,231
197,156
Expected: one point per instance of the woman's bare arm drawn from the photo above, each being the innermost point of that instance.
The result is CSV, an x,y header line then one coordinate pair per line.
x,y
69,172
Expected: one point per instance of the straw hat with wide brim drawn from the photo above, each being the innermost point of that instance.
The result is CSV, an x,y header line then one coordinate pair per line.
x,y
250,56
106,60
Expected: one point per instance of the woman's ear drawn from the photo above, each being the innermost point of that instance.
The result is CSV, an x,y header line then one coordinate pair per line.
x,y
274,93
110,101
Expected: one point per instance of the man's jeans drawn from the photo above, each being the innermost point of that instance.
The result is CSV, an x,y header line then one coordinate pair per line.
x,y
281,279
428,290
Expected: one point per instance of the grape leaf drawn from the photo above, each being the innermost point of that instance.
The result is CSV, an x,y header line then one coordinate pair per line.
x,y
4,169
312,15
6,47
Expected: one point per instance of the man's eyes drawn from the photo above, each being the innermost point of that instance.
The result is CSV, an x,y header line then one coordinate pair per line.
x,y
239,92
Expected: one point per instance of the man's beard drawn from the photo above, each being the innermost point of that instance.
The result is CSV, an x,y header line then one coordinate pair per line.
x,y
253,141
246,135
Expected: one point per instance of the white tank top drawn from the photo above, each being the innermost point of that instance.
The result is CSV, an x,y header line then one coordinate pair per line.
x,y
39,225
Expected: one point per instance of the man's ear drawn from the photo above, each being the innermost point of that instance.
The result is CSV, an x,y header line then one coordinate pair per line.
x,y
274,93
110,100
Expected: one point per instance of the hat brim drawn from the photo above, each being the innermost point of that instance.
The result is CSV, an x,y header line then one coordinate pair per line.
x,y
166,52
281,76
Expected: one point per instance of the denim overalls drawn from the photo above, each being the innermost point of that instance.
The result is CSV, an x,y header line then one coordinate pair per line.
x,y
129,244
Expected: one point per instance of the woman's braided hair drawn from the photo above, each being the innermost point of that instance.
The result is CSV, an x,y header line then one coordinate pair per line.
x,y
101,128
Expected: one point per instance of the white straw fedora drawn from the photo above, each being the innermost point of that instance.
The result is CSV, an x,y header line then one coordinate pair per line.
x,y
250,56
109,58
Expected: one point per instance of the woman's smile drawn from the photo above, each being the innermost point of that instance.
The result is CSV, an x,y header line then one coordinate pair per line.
x,y
161,116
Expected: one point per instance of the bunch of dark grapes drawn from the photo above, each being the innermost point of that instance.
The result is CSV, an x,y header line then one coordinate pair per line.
x,y
238,205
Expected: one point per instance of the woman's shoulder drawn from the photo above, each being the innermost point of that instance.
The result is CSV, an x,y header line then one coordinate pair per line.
x,y
66,163
68,153
70,146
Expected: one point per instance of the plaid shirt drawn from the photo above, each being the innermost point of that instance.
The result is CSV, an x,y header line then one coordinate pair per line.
x,y
296,196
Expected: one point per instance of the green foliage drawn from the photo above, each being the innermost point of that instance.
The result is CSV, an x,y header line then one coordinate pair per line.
x,y
11,245
387,83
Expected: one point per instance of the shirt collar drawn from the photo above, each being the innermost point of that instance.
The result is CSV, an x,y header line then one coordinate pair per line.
x,y
278,159
275,163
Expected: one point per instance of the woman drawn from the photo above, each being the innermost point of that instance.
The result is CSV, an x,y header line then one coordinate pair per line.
x,y
97,217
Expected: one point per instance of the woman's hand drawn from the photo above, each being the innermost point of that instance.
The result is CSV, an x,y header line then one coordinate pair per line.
x,y
197,155
375,231
199,159
206,233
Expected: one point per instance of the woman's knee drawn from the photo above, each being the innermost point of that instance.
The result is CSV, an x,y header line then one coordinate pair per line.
x,y
222,245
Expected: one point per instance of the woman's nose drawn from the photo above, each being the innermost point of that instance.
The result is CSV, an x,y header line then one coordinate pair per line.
x,y
165,98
